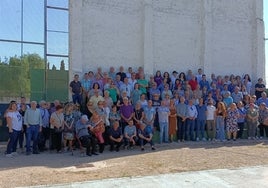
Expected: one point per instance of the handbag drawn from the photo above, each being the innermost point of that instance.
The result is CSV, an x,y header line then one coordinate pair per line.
x,y
265,122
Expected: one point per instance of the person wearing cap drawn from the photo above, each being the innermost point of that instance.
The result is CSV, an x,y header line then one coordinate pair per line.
x,y
84,136
145,135
263,119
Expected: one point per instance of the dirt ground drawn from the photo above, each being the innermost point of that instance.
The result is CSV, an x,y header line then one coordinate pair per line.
x,y
51,168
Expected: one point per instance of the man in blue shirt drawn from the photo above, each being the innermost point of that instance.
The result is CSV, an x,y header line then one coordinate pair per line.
x,y
145,134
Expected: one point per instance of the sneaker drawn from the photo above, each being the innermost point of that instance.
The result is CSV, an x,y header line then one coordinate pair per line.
x,y
197,139
261,138
9,155
14,154
28,153
204,139
249,138
94,153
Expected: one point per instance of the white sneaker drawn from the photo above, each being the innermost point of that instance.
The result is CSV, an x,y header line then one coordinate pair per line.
x,y
197,139
14,154
204,139
9,155
261,138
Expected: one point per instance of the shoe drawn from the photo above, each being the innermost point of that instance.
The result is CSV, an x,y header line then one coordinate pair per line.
x,y
88,154
153,148
28,153
36,152
204,139
142,149
197,139
94,153
234,139
117,149
9,155
14,154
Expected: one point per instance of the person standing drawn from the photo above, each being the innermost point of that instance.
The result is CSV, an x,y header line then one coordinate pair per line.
x,y
201,120
45,134
252,121
220,117
211,121
14,123
182,114
76,90
57,126
33,121
231,121
192,115
163,114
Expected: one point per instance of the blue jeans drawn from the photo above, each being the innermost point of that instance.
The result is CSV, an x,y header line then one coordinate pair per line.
x,y
163,131
190,129
220,128
77,98
13,141
200,128
32,134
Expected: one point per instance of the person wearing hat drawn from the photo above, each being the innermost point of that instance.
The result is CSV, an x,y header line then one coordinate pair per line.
x,y
85,138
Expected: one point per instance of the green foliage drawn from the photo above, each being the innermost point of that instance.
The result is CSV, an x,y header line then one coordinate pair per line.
x,y
62,65
15,77
54,67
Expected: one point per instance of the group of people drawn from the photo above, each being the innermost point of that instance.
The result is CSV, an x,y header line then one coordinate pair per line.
x,y
126,109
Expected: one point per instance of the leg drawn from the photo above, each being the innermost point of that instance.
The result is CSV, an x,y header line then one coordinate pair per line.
x,y
166,132
29,138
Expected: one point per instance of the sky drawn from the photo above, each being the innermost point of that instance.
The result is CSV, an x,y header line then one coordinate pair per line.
x,y
57,20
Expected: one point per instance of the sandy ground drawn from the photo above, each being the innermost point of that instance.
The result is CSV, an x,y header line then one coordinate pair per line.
x,y
51,168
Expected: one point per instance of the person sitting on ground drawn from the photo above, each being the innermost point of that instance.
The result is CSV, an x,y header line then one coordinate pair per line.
x,y
130,134
84,136
115,136
145,134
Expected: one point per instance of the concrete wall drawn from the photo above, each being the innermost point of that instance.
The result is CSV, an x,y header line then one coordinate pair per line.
x,y
219,36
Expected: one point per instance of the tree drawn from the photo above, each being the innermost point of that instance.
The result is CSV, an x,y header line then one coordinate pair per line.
x,y
54,67
62,65
15,74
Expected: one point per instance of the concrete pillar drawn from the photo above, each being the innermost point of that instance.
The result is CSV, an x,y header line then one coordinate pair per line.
x,y
148,37
259,40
